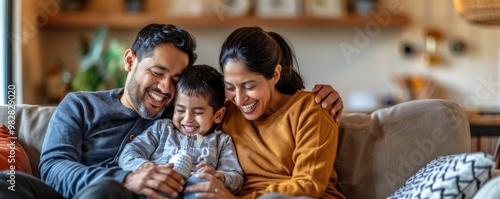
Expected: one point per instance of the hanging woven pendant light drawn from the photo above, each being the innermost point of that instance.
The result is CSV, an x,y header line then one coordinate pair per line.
x,y
479,11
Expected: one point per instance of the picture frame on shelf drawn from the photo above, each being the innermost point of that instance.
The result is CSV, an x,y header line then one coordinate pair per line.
x,y
190,8
234,8
326,8
278,8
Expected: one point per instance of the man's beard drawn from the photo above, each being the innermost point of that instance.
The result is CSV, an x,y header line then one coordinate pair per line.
x,y
133,91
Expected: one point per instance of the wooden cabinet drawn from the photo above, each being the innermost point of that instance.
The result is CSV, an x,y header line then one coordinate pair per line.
x,y
135,21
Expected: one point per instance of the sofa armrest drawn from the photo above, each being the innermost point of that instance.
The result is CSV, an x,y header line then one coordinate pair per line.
x,y
30,125
378,152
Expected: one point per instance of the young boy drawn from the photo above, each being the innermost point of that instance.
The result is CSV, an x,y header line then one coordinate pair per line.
x,y
190,140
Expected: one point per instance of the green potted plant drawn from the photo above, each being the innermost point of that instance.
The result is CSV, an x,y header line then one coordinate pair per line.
x,y
100,66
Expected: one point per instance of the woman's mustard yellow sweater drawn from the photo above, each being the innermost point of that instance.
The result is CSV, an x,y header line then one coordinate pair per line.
x,y
291,152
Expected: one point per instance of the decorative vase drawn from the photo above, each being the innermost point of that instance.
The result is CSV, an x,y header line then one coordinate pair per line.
x,y
73,5
134,5
364,7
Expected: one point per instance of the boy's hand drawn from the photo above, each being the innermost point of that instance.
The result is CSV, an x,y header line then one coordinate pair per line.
x,y
206,168
146,165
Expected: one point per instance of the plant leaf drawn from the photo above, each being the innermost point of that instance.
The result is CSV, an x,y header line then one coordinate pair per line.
x,y
93,57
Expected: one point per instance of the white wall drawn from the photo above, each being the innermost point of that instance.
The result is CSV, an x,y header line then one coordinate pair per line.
x,y
321,59
470,79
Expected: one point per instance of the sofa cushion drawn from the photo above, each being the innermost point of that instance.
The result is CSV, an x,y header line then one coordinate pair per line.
x,y
12,155
489,189
378,152
451,176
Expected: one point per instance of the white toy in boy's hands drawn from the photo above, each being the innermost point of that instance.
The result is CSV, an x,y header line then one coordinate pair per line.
x,y
182,163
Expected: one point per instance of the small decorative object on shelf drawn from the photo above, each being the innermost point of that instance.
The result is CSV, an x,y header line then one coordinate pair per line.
x,y
278,8
414,87
233,8
191,8
364,7
457,46
431,57
486,12
326,8
73,5
134,5
407,49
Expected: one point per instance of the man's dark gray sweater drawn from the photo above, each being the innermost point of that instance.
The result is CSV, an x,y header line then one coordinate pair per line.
x,y
84,137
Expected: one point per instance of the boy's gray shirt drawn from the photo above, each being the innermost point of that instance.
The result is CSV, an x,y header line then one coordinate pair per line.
x,y
160,142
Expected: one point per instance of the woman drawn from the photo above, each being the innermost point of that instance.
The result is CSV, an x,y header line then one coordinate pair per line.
x,y
285,142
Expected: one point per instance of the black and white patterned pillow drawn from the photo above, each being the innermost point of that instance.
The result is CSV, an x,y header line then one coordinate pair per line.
x,y
452,176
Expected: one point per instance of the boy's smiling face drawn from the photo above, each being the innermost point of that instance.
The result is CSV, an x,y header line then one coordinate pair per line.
x,y
193,114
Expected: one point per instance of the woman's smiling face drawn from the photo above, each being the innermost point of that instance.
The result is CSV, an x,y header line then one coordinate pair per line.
x,y
250,91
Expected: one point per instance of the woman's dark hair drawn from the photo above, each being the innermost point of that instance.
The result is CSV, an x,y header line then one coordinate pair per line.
x,y
205,81
154,35
261,52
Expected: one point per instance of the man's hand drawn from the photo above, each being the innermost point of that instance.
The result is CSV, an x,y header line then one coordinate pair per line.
x,y
326,95
149,179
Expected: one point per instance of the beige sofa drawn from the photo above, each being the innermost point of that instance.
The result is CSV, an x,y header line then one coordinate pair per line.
x,y
377,151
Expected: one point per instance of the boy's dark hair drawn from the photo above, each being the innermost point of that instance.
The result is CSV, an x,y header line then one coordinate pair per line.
x,y
154,35
204,81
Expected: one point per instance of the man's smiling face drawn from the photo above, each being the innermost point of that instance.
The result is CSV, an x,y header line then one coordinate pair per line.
x,y
150,85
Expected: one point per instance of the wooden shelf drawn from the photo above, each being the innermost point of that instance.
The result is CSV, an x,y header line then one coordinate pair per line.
x,y
484,120
137,21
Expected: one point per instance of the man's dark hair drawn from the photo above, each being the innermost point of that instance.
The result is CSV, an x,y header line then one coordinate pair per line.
x,y
154,35
204,81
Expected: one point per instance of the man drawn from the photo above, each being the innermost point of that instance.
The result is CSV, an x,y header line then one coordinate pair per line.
x,y
88,130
